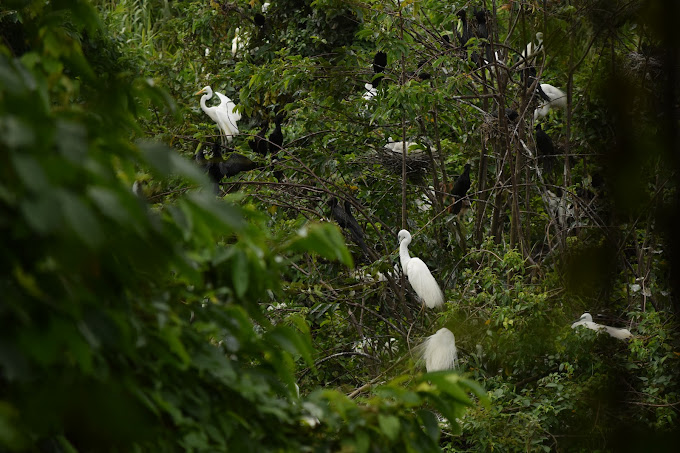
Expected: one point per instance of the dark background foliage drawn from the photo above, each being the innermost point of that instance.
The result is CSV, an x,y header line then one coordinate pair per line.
x,y
174,319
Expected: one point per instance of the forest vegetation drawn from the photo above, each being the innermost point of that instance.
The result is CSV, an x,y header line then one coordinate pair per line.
x,y
167,287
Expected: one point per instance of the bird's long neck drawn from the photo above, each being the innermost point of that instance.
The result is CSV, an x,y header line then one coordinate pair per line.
x,y
404,257
204,98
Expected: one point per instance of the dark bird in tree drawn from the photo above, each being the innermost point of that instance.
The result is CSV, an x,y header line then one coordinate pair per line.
x,y
464,36
236,163
379,65
419,74
258,143
546,149
511,114
460,189
347,221
276,137
216,168
482,31
211,167
259,19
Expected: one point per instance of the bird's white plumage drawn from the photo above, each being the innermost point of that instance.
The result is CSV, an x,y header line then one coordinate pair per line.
x,y
419,274
530,52
439,351
239,42
558,99
224,114
370,91
398,147
228,116
586,320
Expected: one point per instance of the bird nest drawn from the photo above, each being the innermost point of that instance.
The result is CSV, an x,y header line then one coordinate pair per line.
x,y
636,64
416,163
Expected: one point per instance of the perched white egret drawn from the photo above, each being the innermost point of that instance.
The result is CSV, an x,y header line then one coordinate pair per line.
x,y
553,98
419,275
439,351
239,42
587,320
529,54
224,114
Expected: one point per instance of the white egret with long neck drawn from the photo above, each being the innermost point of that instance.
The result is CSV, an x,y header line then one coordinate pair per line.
x,y
419,274
224,114
586,320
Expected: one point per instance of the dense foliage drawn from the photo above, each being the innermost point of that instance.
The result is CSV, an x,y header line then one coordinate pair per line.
x,y
169,318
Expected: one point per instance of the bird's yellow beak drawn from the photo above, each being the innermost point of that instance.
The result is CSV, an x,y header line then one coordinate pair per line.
x,y
200,92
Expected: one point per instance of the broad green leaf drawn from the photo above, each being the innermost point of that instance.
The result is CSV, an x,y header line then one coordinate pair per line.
x,y
324,239
390,426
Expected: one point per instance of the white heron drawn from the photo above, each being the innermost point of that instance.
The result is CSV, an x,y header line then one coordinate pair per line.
x,y
439,351
224,114
239,42
587,320
553,98
529,54
419,275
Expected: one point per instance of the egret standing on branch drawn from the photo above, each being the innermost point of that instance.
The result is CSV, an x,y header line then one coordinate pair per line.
x,y
419,275
224,114
439,351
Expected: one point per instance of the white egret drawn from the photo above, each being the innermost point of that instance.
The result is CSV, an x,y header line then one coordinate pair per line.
x,y
224,114
439,351
529,54
419,275
239,42
553,98
587,320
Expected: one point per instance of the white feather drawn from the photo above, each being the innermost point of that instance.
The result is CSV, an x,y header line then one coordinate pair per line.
x,y
370,91
586,320
558,99
419,274
439,351
224,114
529,54
397,147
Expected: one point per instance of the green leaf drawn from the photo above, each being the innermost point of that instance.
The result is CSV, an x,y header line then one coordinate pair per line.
x,y
167,162
240,273
81,218
430,423
292,341
324,239
389,425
